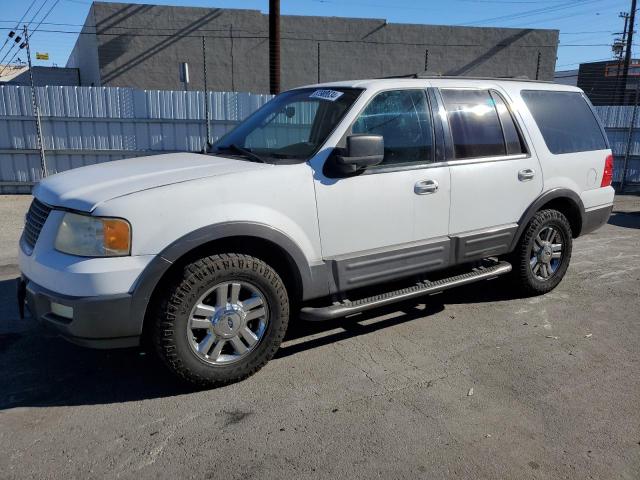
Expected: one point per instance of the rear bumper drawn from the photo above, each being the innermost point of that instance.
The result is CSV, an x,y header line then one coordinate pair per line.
x,y
595,218
96,322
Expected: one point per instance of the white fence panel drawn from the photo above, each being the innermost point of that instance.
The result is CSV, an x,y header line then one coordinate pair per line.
x,y
86,125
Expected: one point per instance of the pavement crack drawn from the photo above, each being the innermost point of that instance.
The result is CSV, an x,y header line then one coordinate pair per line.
x,y
419,384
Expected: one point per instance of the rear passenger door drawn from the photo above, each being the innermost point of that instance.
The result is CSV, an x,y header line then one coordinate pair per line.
x,y
494,175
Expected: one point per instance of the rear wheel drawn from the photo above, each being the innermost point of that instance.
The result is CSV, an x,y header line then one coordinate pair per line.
x,y
543,253
222,319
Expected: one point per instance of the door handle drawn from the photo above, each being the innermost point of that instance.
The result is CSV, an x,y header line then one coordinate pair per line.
x,y
423,187
526,174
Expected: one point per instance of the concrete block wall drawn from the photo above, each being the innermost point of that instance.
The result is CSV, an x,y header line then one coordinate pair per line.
x,y
142,46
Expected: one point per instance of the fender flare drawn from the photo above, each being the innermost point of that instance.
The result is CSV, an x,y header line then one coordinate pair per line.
x,y
546,197
314,278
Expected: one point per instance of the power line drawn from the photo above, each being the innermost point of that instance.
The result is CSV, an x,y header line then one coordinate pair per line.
x,y
629,44
584,61
58,24
170,29
406,7
529,23
26,40
584,33
196,34
18,24
529,13
12,46
45,17
134,31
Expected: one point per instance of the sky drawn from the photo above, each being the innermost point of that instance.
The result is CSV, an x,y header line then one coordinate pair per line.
x,y
587,27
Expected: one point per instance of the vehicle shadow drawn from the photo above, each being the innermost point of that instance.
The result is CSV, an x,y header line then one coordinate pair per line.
x,y
625,219
40,369
380,318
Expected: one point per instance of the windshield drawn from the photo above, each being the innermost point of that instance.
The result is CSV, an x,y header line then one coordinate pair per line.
x,y
293,125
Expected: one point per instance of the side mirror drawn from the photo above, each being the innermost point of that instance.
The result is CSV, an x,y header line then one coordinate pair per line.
x,y
362,151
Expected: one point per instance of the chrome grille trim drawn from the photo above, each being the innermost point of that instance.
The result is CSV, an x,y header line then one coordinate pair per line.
x,y
34,221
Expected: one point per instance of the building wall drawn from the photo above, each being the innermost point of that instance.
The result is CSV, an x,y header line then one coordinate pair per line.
x,y
566,77
605,89
142,46
84,55
43,76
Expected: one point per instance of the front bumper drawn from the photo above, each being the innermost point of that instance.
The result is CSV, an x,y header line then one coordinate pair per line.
x,y
94,302
96,322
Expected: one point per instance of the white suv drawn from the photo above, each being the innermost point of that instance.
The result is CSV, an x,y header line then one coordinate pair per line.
x,y
428,183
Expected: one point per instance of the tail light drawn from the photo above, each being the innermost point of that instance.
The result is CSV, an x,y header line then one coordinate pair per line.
x,y
607,174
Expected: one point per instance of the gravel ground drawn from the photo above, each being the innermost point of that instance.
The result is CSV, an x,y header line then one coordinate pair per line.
x,y
556,385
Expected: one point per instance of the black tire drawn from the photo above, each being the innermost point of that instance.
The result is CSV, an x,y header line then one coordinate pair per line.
x,y
195,279
529,282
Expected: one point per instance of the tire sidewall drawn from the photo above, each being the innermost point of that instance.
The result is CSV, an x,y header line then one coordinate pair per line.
x,y
546,218
187,292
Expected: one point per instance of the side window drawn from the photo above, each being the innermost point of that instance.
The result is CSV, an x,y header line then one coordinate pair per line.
x,y
403,118
475,125
565,120
512,139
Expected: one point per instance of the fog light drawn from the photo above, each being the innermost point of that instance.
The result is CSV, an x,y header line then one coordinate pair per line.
x,y
62,310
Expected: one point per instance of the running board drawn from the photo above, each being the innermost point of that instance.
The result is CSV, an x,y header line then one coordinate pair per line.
x,y
426,287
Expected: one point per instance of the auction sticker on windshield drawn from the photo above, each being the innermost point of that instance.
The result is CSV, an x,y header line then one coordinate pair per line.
x,y
331,95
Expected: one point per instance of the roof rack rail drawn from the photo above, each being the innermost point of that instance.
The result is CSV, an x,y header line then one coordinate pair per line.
x,y
521,78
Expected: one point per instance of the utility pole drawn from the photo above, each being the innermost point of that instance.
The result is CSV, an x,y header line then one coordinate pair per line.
x,y
207,143
618,49
627,151
36,107
274,46
629,46
318,62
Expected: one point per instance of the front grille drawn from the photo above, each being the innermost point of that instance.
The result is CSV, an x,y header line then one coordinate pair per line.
x,y
36,216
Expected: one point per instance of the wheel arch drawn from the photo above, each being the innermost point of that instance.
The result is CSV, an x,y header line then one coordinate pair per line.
x,y
269,244
564,200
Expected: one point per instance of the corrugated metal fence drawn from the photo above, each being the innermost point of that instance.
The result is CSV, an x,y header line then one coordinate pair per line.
x,y
86,125
617,123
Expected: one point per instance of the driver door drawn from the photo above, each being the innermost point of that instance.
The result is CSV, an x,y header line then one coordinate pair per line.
x,y
391,220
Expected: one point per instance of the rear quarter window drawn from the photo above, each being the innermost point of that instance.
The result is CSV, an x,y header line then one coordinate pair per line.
x,y
566,121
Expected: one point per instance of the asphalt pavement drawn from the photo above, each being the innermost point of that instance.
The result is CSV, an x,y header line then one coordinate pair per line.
x,y
555,379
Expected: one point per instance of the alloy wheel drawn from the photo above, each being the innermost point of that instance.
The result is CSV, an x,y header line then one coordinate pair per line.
x,y
227,322
546,253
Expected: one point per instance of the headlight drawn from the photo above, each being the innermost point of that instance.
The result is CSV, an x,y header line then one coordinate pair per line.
x,y
88,236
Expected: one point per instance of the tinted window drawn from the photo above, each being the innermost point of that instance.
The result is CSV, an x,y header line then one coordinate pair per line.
x,y
565,121
512,139
402,117
474,122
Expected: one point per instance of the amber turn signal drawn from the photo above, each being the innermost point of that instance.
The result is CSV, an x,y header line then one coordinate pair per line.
x,y
117,235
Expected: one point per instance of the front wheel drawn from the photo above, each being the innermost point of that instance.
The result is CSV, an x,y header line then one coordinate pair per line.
x,y
222,319
543,253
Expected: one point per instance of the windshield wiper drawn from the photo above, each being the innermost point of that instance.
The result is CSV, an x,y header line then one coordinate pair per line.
x,y
241,151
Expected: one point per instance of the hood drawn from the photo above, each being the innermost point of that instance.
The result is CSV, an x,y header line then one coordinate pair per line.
x,y
86,187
